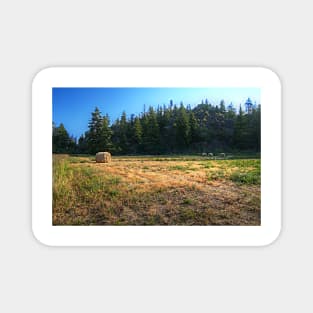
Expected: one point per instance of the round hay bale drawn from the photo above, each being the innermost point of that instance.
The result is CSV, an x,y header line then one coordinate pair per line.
x,y
103,157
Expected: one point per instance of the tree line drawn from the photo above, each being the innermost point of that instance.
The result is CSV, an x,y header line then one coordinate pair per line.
x,y
168,129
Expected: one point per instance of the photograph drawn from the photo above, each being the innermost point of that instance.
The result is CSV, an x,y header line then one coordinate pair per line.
x,y
156,156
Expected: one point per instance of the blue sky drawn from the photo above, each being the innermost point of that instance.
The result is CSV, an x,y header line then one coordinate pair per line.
x,y
73,106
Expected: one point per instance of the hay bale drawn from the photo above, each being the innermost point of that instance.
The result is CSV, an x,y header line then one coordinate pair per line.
x,y
103,157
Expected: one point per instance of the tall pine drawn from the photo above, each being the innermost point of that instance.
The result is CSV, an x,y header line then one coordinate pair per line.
x,y
98,137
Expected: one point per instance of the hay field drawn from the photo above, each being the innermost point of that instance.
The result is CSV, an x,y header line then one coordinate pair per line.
x,y
185,190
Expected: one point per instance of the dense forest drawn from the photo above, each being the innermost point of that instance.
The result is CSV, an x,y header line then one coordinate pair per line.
x,y
168,129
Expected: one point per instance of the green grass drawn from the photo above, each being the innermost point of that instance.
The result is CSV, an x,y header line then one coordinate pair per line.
x,y
185,168
246,171
74,159
80,186
190,157
62,187
178,168
251,178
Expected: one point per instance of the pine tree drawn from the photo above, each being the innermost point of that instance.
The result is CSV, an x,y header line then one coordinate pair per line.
x,y
123,132
239,131
165,130
82,144
194,128
222,107
95,126
61,141
182,129
137,132
99,135
220,133
253,129
115,136
257,123
151,139
106,134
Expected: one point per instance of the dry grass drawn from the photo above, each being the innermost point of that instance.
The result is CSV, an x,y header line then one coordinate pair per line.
x,y
155,191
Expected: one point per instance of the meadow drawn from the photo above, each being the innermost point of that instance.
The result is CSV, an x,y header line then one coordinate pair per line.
x,y
156,190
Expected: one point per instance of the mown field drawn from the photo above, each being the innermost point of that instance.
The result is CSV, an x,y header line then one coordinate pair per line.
x,y
189,190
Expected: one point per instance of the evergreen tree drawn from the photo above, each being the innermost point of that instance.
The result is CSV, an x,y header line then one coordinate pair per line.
x,y
165,126
151,138
106,134
94,133
99,135
137,132
220,134
123,132
253,131
82,144
194,128
222,107
182,129
257,123
115,136
61,141
239,131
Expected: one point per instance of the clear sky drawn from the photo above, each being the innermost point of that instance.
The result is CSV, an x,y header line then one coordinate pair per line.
x,y
73,106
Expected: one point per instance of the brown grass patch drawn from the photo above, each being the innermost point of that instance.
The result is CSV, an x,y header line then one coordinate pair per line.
x,y
145,191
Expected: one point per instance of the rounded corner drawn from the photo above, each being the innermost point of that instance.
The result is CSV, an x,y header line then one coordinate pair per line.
x,y
271,74
38,239
273,238
41,74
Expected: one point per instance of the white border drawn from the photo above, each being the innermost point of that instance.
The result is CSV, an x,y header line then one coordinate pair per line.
x,y
258,77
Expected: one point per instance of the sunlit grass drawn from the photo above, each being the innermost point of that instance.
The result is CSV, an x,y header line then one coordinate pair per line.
x,y
238,171
155,191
